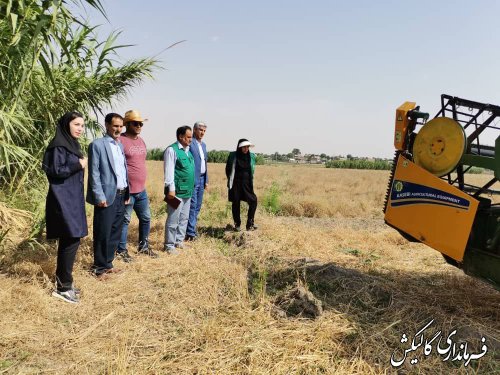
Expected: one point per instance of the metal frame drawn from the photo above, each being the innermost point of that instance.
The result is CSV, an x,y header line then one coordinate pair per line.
x,y
467,113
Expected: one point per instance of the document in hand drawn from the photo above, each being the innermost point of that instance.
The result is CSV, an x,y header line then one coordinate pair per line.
x,y
172,202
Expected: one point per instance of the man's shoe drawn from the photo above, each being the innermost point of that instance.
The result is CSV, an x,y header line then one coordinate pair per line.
x,y
237,228
125,256
113,270
143,245
190,238
67,296
144,249
172,251
147,251
101,276
252,227
77,291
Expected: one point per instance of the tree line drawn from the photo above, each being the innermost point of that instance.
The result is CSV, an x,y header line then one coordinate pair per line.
x,y
359,164
214,156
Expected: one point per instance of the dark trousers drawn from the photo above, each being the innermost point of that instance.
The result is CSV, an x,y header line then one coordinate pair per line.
x,y
66,253
252,207
108,222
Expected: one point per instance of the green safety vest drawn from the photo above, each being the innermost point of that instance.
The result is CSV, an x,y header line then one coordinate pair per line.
x,y
184,172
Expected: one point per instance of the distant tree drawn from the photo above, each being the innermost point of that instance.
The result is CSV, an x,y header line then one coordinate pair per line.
x,y
155,154
349,157
290,155
359,164
259,159
215,156
296,151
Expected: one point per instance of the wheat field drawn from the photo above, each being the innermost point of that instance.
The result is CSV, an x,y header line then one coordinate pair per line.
x,y
219,306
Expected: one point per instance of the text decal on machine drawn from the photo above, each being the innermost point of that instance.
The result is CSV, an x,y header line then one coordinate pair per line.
x,y
406,193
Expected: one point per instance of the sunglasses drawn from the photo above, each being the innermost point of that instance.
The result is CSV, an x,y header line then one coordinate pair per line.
x,y
136,123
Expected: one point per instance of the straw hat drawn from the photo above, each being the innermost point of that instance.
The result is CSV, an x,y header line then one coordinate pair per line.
x,y
133,115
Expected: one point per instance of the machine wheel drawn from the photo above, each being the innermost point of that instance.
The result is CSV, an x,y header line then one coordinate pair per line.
x,y
439,146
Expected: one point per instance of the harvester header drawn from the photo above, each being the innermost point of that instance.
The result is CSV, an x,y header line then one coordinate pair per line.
x,y
429,198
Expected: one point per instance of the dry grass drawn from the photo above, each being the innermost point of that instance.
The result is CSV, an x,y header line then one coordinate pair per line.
x,y
211,309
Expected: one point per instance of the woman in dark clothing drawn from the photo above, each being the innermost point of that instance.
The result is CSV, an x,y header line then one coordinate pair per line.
x,y
63,164
240,168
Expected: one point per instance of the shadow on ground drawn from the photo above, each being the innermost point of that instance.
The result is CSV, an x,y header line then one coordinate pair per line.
x,y
213,232
305,288
36,258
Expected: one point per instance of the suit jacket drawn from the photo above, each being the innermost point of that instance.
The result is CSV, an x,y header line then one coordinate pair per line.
x,y
102,175
65,205
193,149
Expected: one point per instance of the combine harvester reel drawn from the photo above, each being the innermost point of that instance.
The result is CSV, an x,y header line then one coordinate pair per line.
x,y
428,198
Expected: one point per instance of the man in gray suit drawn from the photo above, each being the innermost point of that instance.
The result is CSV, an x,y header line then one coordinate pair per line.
x,y
108,191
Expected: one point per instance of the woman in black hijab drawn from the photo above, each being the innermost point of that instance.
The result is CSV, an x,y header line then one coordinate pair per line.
x,y
240,169
63,164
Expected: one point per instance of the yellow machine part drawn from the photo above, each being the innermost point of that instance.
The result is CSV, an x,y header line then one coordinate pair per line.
x,y
439,145
402,121
429,209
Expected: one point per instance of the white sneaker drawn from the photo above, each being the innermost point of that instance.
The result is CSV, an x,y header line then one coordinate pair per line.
x,y
67,296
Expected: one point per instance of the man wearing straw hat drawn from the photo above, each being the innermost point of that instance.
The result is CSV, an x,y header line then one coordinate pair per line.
x,y
135,155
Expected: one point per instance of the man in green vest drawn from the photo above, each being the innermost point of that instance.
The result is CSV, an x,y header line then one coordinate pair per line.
x,y
178,164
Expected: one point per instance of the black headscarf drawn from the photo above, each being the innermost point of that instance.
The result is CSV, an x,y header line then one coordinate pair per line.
x,y
242,160
63,137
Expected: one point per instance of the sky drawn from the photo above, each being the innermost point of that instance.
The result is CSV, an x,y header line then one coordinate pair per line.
x,y
320,76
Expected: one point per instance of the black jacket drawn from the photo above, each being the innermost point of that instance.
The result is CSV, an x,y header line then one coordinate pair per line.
x,y
65,205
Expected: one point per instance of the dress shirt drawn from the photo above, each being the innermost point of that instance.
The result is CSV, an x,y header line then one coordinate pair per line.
x,y
119,163
203,167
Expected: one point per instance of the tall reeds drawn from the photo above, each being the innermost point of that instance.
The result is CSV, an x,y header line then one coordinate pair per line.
x,y
52,62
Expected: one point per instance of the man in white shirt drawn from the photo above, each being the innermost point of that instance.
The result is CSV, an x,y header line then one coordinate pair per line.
x,y
178,165
198,149
108,191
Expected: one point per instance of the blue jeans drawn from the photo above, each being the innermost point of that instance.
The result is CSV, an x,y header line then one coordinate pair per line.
x,y
176,223
139,202
194,210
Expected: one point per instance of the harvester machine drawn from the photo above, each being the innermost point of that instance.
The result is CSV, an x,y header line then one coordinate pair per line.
x,y
432,195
